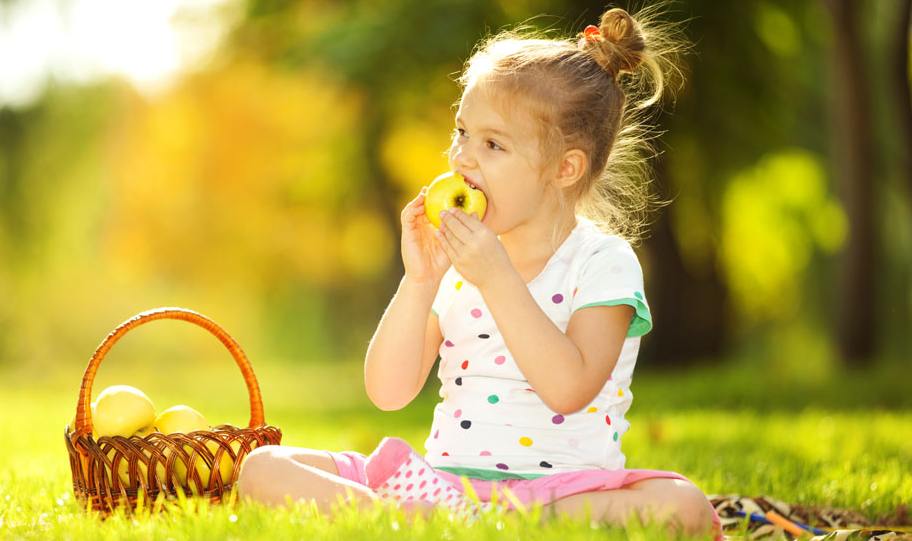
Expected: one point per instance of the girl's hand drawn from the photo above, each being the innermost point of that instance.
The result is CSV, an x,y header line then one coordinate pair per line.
x,y
472,247
423,257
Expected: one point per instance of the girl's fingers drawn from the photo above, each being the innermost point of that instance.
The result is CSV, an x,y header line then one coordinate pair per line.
x,y
471,223
454,222
446,245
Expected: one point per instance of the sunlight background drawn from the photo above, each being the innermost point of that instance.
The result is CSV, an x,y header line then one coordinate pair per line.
x,y
249,159
148,43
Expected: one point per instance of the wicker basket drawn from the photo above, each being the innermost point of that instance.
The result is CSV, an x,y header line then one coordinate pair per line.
x,y
117,472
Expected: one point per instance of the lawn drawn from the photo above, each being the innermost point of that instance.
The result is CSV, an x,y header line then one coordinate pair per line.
x,y
841,440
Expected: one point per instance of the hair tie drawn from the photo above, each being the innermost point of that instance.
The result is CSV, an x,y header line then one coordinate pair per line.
x,y
592,33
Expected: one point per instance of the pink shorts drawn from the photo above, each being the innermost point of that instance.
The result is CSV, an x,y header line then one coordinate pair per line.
x,y
542,490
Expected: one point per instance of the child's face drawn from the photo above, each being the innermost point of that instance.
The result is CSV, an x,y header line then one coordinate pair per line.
x,y
498,155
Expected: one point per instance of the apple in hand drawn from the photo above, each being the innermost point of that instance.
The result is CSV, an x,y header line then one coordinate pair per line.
x,y
451,190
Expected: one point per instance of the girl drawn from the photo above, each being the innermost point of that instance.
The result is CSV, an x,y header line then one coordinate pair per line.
x,y
535,312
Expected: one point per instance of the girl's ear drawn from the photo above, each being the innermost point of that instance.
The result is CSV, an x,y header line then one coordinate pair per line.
x,y
572,167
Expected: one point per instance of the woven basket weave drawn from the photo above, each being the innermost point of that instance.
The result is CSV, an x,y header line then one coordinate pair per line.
x,y
117,472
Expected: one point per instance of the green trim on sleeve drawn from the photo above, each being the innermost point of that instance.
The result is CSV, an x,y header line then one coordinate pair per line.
x,y
488,475
642,320
435,312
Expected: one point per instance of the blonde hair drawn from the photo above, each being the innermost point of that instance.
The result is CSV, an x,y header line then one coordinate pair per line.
x,y
595,93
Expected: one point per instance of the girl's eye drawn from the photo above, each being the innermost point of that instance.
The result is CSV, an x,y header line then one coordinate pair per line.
x,y
460,132
494,146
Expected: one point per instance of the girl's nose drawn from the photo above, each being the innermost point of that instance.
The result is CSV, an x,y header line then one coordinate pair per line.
x,y
460,155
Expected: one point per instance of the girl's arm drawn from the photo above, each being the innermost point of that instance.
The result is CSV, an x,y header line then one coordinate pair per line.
x,y
567,370
404,348
406,342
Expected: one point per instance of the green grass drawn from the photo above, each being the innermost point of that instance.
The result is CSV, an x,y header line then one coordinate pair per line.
x,y
829,441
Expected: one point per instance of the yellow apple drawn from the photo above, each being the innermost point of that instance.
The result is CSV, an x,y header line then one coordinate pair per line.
x,y
123,470
121,410
203,467
145,431
451,190
226,465
182,419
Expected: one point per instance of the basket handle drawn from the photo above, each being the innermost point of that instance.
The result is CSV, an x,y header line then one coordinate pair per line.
x,y
83,424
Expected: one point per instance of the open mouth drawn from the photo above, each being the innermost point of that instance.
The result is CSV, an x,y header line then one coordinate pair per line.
x,y
471,184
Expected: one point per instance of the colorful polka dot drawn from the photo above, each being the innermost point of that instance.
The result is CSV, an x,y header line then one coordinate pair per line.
x,y
592,409
466,424
500,359
436,433
484,453
615,436
476,313
457,414
493,399
620,392
458,285
525,442
465,364
575,289
502,466
458,381
557,299
557,419
638,295
445,454
448,344
484,336
544,464
608,419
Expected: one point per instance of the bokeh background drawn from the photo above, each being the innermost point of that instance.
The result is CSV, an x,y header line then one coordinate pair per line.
x,y
249,160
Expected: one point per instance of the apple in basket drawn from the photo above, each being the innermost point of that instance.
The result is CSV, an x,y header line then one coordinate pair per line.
x,y
184,419
121,410
453,190
178,419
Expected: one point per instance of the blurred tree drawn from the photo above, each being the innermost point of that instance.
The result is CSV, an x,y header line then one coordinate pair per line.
x,y
856,312
900,75
267,187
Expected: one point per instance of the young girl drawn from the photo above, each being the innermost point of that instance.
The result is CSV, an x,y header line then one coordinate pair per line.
x,y
535,312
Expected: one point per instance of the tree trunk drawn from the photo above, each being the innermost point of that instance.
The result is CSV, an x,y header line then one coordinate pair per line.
x,y
902,94
856,315
689,311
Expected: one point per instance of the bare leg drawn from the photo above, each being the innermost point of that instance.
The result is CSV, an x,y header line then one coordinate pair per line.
x,y
679,504
274,473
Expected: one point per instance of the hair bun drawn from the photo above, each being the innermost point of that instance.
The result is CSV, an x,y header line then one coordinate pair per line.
x,y
620,46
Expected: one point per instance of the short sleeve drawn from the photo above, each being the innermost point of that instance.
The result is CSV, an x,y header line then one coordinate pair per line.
x,y
612,276
449,284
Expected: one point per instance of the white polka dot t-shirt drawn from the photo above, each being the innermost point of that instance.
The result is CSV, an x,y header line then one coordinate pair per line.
x,y
491,424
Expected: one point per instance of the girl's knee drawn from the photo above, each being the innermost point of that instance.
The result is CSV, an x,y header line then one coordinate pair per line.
x,y
692,509
254,469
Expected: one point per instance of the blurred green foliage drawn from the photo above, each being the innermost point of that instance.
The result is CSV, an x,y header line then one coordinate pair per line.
x,y
263,190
